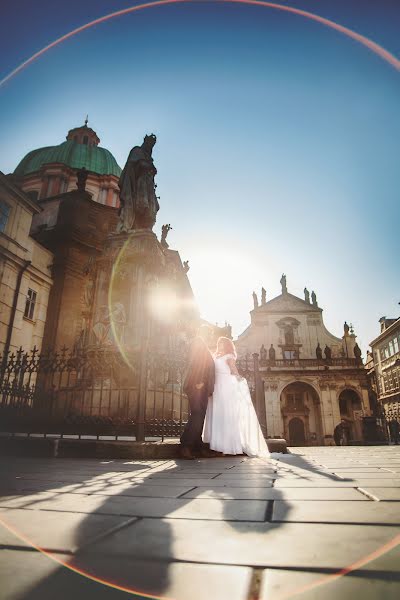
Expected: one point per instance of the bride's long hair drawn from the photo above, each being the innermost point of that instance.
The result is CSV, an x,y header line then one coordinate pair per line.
x,y
225,346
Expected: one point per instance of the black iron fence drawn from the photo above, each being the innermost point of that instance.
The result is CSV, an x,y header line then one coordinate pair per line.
x,y
93,392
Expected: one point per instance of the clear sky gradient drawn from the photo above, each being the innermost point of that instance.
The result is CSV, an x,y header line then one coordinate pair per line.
x,y
278,139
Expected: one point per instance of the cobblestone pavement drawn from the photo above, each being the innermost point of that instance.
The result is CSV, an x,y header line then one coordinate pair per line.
x,y
316,523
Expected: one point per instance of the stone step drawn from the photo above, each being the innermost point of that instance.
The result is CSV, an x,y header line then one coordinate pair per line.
x,y
69,448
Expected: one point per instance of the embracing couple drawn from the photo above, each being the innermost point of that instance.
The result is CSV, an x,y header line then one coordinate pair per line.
x,y
222,414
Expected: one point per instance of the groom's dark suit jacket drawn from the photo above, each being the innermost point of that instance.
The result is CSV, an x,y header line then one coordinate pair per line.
x,y
201,370
198,386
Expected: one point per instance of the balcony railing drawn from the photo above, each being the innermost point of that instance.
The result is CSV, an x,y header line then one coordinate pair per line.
x,y
304,363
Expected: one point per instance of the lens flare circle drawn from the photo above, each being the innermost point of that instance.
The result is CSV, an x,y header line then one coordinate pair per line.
x,y
116,333
365,41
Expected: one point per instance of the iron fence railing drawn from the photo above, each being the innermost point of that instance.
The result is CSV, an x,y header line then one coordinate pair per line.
x,y
93,392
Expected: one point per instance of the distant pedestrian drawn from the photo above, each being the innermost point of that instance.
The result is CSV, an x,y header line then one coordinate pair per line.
x,y
341,434
394,429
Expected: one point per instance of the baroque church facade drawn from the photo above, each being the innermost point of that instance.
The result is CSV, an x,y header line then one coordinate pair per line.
x,y
312,379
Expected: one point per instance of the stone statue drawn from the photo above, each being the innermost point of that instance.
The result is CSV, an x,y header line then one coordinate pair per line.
x,y
328,353
357,352
139,203
88,289
271,353
255,300
263,354
81,178
263,296
165,229
306,295
186,266
346,328
283,284
110,325
318,352
314,298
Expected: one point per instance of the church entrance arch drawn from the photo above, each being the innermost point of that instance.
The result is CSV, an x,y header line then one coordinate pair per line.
x,y
350,411
297,434
301,413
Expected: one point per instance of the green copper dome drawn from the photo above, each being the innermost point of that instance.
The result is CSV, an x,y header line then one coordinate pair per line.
x,y
74,155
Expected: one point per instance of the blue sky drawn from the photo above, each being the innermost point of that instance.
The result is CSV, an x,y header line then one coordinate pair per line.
x,y
278,139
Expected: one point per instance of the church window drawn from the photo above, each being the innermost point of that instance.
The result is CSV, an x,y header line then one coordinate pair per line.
x,y
289,354
294,401
396,344
289,337
30,304
4,214
85,140
396,379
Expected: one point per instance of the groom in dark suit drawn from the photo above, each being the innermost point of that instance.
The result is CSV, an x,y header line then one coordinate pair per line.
x,y
198,386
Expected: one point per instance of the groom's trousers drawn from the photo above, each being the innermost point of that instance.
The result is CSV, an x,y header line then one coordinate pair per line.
x,y
191,436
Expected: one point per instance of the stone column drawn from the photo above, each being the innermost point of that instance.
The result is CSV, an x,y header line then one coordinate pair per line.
x,y
273,409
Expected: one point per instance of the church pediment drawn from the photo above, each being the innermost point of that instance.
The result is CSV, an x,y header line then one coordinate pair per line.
x,y
287,303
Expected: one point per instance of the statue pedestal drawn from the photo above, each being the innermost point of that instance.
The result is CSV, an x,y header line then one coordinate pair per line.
x,y
131,265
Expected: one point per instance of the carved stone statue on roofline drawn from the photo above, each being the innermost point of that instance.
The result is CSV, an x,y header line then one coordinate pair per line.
x,y
139,203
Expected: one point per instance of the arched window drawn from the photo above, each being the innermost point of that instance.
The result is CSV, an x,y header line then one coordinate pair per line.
x,y
85,139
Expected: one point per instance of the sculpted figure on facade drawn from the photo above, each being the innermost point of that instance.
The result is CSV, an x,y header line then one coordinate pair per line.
x,y
139,203
357,352
272,353
263,354
314,298
283,284
165,229
255,300
306,295
263,296
318,352
328,353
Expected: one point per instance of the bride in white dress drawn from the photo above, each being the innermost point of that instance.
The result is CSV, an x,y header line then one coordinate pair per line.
x,y
231,424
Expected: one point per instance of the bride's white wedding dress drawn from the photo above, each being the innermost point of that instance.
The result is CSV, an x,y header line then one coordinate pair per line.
x,y
231,425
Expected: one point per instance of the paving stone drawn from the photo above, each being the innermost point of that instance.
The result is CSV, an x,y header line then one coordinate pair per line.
x,y
220,509
383,493
143,490
363,475
305,585
323,482
55,530
258,544
180,581
330,511
238,493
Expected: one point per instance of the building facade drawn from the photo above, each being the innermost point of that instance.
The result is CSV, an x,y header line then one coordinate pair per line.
x,y
25,272
312,379
384,367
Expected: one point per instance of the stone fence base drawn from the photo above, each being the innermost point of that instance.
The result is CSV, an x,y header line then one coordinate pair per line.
x,y
68,448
